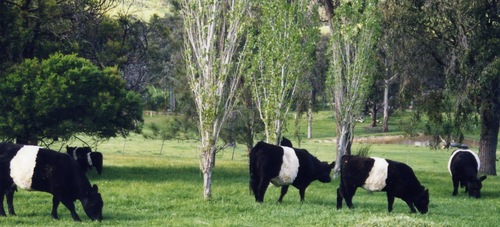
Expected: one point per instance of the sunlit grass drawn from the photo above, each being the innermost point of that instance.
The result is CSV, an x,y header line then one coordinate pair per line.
x,y
143,187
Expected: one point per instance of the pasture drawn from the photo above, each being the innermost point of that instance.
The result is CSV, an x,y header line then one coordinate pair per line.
x,y
141,187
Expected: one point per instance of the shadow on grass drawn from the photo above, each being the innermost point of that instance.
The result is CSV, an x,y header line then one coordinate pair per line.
x,y
168,173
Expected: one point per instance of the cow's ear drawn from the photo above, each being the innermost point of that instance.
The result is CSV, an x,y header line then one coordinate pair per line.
x,y
482,178
332,165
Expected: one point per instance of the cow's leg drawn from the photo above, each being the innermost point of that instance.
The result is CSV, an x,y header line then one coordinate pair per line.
x,y
55,204
342,193
284,190
71,207
261,190
455,186
10,199
302,193
2,193
390,201
410,205
339,198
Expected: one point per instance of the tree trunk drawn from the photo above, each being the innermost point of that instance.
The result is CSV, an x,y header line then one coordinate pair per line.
x,y
490,123
385,123
374,115
343,145
309,117
207,165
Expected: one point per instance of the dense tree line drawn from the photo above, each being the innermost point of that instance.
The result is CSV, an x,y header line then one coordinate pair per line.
x,y
144,55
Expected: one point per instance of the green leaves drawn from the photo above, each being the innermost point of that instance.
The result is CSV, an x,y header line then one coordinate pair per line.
x,y
282,44
64,95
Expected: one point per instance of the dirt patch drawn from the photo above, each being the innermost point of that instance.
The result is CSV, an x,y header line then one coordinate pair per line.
x,y
417,141
420,140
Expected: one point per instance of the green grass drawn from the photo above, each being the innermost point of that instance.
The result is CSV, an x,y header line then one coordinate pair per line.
x,y
142,187
142,9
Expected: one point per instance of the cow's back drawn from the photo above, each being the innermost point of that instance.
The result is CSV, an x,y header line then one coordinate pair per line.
x,y
58,167
355,169
463,162
265,159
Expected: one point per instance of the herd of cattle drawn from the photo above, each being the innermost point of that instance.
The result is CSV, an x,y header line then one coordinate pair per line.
x,y
284,166
63,175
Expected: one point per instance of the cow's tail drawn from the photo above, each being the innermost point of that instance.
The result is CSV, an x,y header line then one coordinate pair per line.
x,y
254,178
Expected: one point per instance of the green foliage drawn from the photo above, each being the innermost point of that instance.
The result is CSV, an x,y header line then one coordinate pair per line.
x,y
356,29
464,40
283,43
364,151
171,127
63,95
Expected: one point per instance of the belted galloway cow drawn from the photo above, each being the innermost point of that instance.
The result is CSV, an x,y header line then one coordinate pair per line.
x,y
463,167
378,174
284,166
40,169
86,158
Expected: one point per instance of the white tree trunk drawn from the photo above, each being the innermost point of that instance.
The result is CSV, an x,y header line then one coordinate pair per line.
x,y
385,122
342,141
207,164
212,34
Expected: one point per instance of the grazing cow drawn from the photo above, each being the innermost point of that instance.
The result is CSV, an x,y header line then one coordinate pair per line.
x,y
284,166
463,166
39,169
86,158
378,174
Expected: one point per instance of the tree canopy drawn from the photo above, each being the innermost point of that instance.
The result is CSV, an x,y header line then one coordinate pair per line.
x,y
63,95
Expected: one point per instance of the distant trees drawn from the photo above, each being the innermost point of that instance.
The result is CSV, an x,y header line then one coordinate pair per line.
x,y
62,96
464,38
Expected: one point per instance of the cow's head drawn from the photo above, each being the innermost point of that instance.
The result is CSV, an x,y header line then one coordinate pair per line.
x,y
474,186
96,158
92,204
324,172
286,142
422,201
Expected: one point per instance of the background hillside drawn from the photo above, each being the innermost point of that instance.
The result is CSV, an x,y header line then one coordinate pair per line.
x,y
142,9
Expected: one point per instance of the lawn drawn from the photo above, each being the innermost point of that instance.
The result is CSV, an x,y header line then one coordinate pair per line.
x,y
141,187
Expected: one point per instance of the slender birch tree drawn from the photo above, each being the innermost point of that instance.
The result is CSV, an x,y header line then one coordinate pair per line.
x,y
354,29
212,37
283,45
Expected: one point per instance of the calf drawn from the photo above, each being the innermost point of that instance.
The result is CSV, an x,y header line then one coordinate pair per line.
x,y
378,174
39,169
86,158
463,166
284,166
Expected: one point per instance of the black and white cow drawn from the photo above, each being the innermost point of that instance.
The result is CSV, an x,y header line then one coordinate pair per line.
x,y
463,166
39,169
86,158
378,174
284,166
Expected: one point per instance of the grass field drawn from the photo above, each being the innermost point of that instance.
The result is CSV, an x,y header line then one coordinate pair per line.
x,y
141,187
